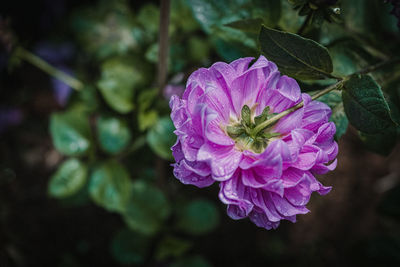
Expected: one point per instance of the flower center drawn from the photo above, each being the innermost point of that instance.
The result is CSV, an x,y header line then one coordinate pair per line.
x,y
243,131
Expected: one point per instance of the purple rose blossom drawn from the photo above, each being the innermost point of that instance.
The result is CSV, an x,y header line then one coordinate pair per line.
x,y
268,176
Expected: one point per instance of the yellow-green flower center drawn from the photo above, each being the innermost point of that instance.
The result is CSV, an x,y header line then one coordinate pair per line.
x,y
242,131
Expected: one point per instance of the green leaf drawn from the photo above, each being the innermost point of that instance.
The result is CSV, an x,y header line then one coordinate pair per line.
x,y
365,106
263,116
110,186
231,50
247,25
151,53
130,247
235,131
198,217
192,261
295,56
149,17
113,133
147,97
88,99
70,177
334,101
147,119
117,84
106,29
161,138
213,15
246,115
171,246
182,17
70,132
147,208
199,49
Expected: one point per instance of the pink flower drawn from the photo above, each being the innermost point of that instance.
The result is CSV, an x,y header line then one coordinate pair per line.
x,y
267,176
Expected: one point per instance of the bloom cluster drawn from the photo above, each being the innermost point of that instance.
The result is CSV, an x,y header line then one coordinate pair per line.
x,y
267,176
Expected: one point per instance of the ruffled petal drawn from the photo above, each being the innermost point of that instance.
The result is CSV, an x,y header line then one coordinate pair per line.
x,y
262,200
241,64
224,160
315,115
236,196
246,87
190,174
282,93
261,220
284,207
195,173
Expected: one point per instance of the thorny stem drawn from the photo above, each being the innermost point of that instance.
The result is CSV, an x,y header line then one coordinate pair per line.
x,y
279,116
46,67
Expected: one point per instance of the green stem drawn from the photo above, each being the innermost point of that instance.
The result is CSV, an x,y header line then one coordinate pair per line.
x,y
46,67
279,116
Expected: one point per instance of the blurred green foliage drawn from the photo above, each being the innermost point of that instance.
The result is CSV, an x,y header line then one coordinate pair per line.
x,y
146,209
113,133
71,133
198,217
160,139
130,247
69,178
110,186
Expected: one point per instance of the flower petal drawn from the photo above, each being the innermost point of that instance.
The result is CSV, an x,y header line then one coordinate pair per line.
x,y
224,160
